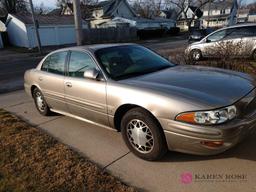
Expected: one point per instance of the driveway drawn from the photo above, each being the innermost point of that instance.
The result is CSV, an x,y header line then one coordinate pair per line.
x,y
233,170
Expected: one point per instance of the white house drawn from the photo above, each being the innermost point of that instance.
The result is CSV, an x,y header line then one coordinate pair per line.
x,y
192,12
252,17
53,30
218,15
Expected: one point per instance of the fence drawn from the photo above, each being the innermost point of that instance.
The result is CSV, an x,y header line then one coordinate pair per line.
x,y
109,35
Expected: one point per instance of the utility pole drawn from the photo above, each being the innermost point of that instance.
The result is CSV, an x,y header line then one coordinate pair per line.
x,y
78,22
36,27
233,13
209,11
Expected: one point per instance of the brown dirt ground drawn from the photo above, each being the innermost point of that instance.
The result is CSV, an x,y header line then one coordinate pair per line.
x,y
30,160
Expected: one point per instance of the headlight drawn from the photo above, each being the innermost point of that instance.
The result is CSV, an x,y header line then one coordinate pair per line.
x,y
209,117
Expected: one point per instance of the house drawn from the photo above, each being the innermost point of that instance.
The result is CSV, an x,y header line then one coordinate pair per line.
x,y
242,15
216,14
102,12
115,13
192,11
252,18
141,23
53,30
169,14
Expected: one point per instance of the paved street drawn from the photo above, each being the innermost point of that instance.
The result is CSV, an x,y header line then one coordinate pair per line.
x,y
14,64
107,149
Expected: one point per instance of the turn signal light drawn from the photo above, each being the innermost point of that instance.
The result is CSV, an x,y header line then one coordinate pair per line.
x,y
213,144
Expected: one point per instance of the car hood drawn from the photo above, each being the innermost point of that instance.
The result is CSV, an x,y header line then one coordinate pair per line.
x,y
202,86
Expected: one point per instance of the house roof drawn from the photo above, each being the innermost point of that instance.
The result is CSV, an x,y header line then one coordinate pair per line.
x,y
196,11
46,19
243,11
108,6
218,5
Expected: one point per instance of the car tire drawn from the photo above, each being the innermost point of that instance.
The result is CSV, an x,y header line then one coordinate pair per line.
x,y
143,135
40,102
195,55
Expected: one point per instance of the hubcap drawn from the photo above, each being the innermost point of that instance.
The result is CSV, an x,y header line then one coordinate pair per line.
x,y
196,55
140,136
40,102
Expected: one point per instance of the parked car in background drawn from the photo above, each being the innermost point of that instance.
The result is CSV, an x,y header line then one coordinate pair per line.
x,y
239,41
155,104
198,34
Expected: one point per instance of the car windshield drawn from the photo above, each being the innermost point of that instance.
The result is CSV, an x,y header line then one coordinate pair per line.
x,y
128,61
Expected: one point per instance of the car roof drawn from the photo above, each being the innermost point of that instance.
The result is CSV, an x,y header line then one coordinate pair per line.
x,y
94,47
241,25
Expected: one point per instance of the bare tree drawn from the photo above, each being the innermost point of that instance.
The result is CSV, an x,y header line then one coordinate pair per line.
x,y
183,7
41,9
14,6
61,3
148,8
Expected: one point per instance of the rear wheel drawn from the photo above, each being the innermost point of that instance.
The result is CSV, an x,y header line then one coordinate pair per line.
x,y
40,102
143,135
196,55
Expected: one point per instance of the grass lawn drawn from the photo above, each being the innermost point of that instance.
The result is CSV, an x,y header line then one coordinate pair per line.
x,y
30,160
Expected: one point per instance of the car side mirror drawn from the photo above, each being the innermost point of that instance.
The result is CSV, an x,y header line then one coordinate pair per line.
x,y
92,73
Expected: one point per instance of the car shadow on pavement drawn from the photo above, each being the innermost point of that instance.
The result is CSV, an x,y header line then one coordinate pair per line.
x,y
244,150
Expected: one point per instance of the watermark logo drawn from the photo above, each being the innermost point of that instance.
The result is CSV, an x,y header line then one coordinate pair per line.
x,y
186,178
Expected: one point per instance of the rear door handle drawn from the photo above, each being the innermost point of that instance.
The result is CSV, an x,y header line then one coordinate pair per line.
x,y
68,84
40,78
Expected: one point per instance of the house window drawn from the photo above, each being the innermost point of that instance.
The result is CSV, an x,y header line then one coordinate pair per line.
x,y
222,12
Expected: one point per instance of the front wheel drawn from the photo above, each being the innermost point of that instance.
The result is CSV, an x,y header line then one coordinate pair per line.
x,y
196,55
143,135
40,102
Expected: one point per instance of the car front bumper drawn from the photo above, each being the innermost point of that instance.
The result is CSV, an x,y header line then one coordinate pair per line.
x,y
190,139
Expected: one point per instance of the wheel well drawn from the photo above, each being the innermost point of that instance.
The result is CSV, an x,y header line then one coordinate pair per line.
x,y
122,110
196,49
32,89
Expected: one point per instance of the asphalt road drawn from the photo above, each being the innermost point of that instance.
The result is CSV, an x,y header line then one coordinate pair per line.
x,y
14,64
233,170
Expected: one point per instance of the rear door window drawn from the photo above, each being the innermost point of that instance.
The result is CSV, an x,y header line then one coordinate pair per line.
x,y
217,36
55,63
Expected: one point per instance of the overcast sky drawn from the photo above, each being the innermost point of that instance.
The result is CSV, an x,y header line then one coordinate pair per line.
x,y
52,3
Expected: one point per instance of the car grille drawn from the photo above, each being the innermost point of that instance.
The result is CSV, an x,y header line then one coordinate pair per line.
x,y
251,107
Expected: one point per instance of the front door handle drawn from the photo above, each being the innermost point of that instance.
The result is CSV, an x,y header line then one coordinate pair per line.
x,y
40,78
68,84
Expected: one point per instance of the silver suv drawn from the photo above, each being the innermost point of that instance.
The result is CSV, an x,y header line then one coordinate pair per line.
x,y
236,41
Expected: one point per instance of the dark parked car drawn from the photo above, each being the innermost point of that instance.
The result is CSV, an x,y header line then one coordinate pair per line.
x,y
198,34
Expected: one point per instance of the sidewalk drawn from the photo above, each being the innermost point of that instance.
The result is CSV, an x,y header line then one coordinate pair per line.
x,y
107,149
